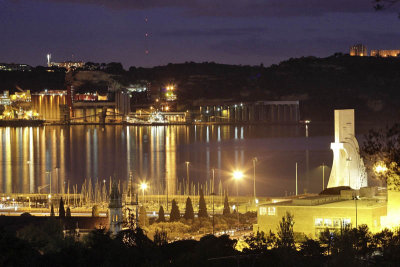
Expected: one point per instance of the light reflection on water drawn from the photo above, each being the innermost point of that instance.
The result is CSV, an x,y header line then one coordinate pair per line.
x,y
31,157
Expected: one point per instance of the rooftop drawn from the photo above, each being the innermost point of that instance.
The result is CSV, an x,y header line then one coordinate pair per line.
x,y
329,201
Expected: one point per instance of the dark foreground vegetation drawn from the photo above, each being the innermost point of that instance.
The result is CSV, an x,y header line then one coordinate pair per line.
x,y
48,245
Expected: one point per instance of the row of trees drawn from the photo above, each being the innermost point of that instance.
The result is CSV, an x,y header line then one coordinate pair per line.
x,y
347,246
189,214
45,245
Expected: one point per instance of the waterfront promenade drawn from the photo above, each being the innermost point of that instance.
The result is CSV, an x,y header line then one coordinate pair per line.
x,y
39,204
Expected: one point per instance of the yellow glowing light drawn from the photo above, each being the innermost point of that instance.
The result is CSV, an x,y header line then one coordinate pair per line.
x,y
380,168
143,186
237,175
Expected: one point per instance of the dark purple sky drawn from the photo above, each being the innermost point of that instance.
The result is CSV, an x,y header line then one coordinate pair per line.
x,y
224,31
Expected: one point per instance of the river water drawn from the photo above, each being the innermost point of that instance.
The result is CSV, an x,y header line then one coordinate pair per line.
x,y
32,157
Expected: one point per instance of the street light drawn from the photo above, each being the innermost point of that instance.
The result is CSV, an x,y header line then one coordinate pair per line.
x,y
187,176
49,173
254,175
213,222
237,176
143,186
323,176
355,201
380,168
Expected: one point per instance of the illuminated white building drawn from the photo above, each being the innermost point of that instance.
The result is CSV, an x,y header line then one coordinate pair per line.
x,y
358,50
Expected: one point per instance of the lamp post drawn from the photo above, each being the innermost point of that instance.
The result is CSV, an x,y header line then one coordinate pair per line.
x,y
143,186
213,180
237,175
57,181
296,179
213,222
49,197
104,191
323,176
49,173
187,176
348,167
254,176
355,201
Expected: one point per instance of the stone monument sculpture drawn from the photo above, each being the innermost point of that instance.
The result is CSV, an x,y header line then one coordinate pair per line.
x,y
348,167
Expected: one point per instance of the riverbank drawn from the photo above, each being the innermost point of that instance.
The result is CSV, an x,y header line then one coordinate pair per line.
x,y
21,123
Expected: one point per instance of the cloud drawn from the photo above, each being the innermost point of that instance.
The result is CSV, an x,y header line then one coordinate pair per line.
x,y
237,8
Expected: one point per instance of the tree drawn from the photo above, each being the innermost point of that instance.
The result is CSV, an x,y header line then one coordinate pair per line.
x,y
143,219
202,206
52,210
61,210
16,251
326,238
130,221
285,232
311,247
68,213
95,211
381,154
257,243
45,237
135,238
383,4
189,213
363,239
175,213
160,237
227,209
161,215
114,68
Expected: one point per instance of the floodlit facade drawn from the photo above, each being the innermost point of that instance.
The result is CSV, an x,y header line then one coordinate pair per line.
x,y
259,111
68,64
385,53
358,50
314,214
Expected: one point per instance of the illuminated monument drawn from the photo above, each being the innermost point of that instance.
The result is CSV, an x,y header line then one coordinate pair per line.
x,y
115,210
348,167
336,206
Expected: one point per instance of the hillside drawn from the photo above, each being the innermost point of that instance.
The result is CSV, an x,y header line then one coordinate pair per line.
x,y
370,85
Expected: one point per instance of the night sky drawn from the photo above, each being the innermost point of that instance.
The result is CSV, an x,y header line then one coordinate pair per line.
x,y
223,31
